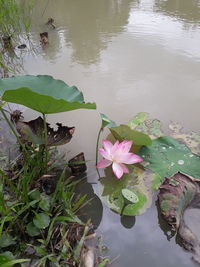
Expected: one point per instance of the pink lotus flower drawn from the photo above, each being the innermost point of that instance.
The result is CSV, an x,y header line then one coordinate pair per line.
x,y
117,155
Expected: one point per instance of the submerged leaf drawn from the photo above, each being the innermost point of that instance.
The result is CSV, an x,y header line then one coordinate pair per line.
x,y
166,156
138,119
142,123
42,93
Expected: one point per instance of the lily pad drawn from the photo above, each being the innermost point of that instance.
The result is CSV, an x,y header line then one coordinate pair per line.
x,y
42,93
135,181
166,156
129,196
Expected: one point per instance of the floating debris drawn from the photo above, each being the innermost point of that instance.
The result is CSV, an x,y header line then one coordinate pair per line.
x,y
22,46
44,39
50,22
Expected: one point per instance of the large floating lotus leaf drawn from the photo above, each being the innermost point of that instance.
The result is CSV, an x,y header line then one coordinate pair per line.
x,y
42,93
136,181
166,156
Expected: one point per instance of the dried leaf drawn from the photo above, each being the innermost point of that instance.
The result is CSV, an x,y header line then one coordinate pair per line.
x,y
175,195
33,131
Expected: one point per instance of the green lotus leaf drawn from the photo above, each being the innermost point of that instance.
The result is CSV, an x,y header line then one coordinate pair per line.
x,y
106,122
129,196
124,132
42,93
166,156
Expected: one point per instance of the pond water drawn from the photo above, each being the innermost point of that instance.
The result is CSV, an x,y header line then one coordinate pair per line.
x,y
127,56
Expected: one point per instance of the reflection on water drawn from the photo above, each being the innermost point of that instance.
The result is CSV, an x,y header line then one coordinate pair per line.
x,y
187,11
91,24
128,56
128,221
94,203
88,25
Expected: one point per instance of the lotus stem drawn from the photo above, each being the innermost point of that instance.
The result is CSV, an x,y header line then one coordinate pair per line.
x,y
121,213
45,141
97,145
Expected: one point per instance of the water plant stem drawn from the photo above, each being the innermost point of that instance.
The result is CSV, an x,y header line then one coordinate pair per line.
x,y
45,141
121,213
97,145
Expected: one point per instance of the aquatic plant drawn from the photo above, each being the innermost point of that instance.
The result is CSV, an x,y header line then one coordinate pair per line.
x,y
38,204
117,155
14,17
171,165
15,22
44,94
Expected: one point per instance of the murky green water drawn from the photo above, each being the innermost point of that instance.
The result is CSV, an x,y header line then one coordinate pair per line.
x,y
127,56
